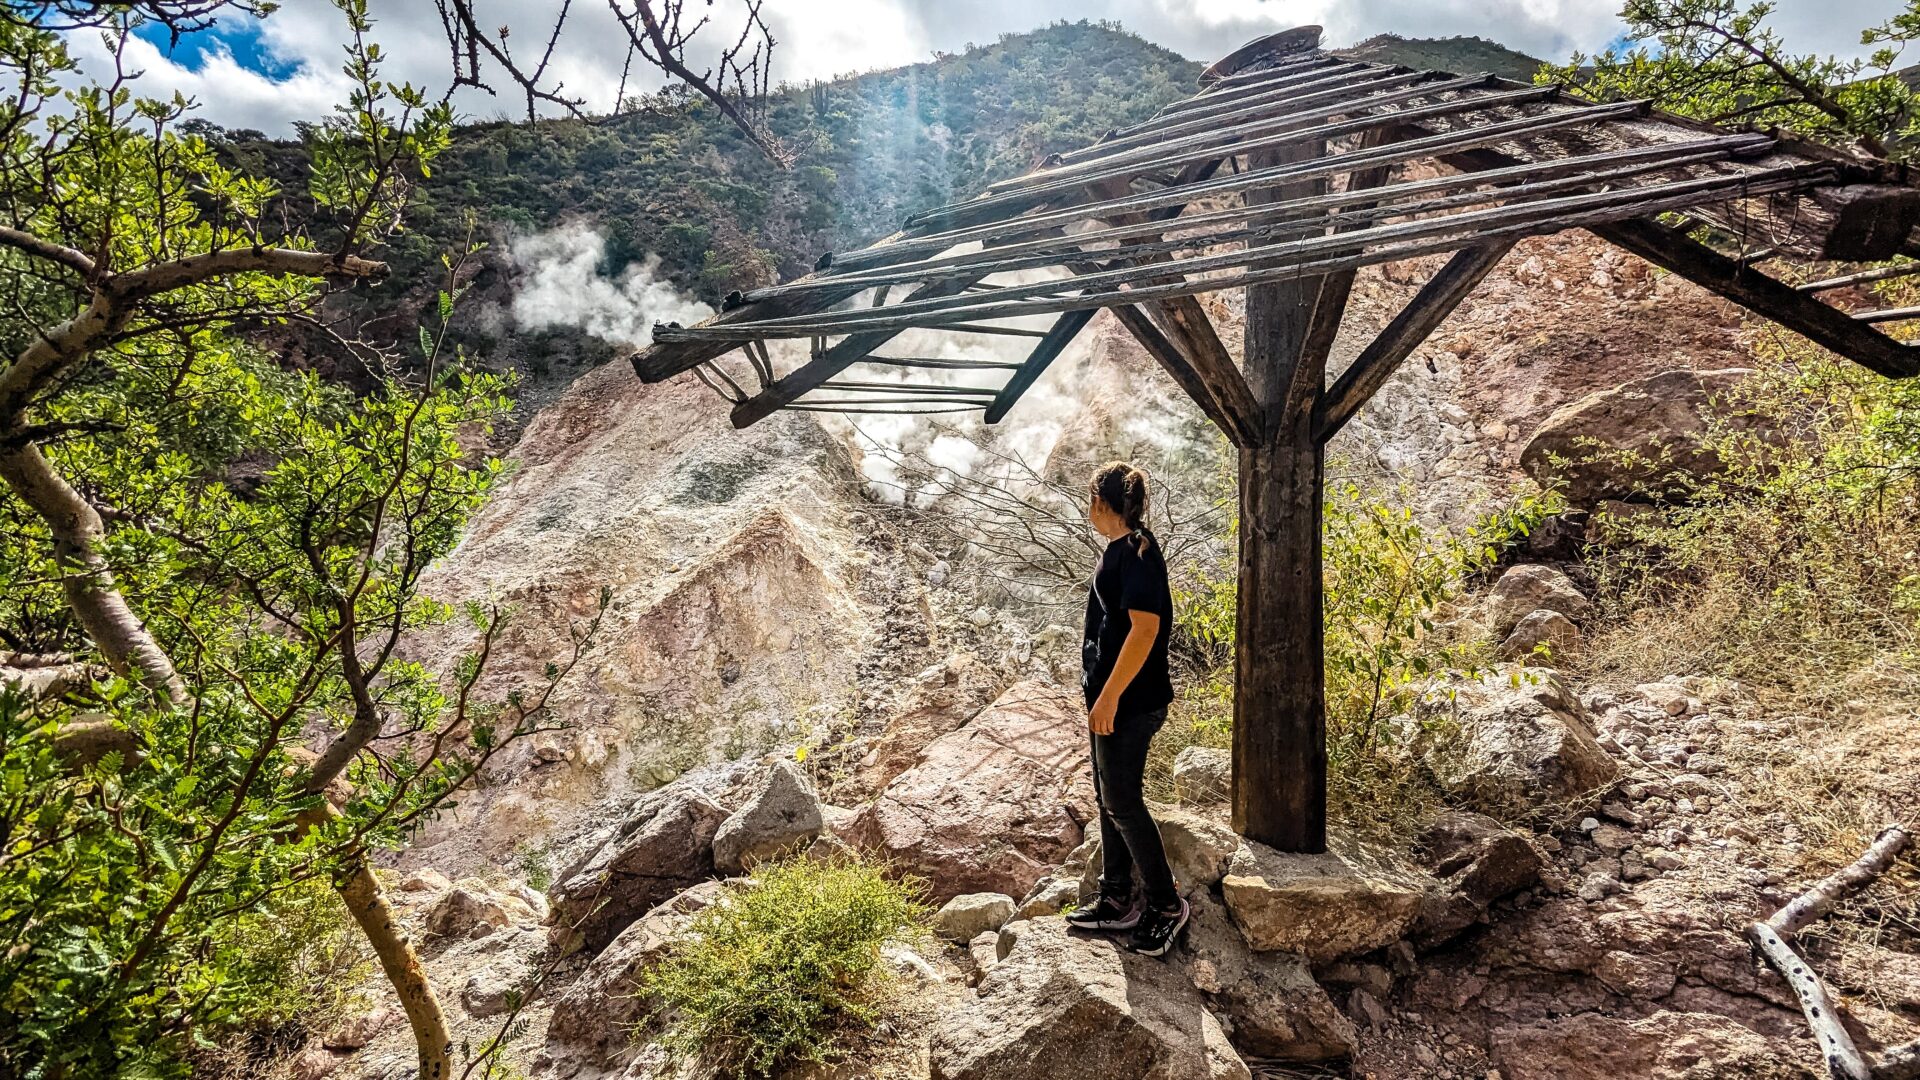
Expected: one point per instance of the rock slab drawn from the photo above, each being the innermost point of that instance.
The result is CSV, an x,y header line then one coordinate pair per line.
x,y
1062,1006
994,805
1322,907
782,816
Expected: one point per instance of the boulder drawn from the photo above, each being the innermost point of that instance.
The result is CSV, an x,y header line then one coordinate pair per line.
x,y
1050,896
1201,775
1475,861
1198,850
1532,587
471,908
1062,1006
1541,627
782,816
1642,439
1270,1001
1511,743
495,972
1324,906
664,846
595,1016
994,805
966,917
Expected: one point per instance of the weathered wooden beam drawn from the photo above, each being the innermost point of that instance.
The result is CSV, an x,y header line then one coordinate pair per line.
x,y
832,361
1357,204
1415,322
1442,143
1862,277
1050,347
1898,1062
1797,311
1844,1060
1279,789
1886,315
1280,132
1177,366
1814,904
1294,258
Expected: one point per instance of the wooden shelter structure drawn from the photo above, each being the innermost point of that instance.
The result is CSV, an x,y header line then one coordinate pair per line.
x,y
1288,171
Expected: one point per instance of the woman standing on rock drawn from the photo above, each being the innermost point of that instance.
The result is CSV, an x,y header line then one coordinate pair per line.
x,y
1124,673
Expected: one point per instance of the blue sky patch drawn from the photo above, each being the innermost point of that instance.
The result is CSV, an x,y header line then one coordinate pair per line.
x,y
237,34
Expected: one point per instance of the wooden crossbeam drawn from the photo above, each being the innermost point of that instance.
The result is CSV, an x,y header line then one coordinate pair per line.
x,y
1422,315
1064,330
1237,427
851,350
1862,277
1765,296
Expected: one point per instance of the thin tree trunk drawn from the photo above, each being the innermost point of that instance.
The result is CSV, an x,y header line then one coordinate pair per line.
x,y
120,635
364,898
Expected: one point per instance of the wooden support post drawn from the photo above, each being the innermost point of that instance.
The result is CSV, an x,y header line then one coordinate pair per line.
x,y
1279,701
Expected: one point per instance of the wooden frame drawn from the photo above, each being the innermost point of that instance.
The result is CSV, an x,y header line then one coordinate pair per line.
x,y
1292,155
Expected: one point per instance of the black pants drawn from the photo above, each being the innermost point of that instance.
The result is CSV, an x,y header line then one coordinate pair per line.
x,y
1128,836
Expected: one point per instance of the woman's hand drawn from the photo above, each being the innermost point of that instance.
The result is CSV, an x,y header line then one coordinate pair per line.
x,y
1100,717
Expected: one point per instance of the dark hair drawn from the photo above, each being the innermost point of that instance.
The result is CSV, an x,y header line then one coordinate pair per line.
x,y
1123,489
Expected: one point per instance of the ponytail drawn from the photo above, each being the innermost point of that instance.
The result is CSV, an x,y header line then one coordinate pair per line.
x,y
1123,489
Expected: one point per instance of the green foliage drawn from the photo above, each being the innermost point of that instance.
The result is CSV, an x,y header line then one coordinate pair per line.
x,y
1719,61
784,968
1822,473
1386,577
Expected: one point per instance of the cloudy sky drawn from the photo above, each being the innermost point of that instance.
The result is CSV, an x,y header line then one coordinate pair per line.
x,y
248,73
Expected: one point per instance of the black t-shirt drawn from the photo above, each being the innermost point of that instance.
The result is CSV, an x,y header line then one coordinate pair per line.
x,y
1127,581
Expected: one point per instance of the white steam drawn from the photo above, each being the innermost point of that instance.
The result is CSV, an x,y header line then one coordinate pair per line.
x,y
562,286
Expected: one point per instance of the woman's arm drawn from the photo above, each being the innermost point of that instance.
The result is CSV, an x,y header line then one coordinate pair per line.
x,y
1133,657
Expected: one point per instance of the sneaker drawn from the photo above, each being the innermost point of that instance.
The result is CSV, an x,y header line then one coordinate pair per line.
x,y
1158,930
1105,913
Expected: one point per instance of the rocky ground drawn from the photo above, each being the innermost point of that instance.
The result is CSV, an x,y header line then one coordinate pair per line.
x,y
761,603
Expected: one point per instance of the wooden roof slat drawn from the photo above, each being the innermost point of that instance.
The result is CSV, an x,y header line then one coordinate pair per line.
x,y
1518,219
1064,330
1274,133
1862,277
1393,153
1283,217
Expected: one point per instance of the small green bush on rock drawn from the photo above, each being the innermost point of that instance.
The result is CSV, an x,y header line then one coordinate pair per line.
x,y
784,969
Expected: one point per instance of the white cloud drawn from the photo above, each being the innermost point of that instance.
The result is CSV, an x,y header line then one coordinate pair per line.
x,y
823,38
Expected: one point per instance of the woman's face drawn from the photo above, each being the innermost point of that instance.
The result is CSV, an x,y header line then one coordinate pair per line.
x,y
1104,518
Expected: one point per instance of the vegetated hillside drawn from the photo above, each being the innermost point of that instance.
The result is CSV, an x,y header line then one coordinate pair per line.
x,y
677,181
1464,55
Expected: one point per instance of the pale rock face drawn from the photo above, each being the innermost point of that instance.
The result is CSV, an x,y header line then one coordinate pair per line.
x,y
471,908
1532,587
1202,775
966,917
994,805
738,602
782,816
1324,906
1633,440
1061,1006
1542,627
1507,749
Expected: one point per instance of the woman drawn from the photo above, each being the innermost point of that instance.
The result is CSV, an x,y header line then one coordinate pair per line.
x,y
1124,673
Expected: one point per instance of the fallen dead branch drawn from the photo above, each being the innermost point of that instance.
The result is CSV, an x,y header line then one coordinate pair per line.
x,y
1774,941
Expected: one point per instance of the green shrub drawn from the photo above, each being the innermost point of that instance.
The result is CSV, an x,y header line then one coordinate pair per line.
x,y
785,969
1387,576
